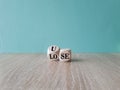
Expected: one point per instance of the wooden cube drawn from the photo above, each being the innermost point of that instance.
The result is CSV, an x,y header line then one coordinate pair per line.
x,y
53,52
65,55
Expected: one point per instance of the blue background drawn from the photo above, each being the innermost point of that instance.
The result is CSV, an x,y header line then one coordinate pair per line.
x,y
82,25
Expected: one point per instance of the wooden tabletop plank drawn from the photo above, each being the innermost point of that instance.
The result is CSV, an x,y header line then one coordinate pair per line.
x,y
36,72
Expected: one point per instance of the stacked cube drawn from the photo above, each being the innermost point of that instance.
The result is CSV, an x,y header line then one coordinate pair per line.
x,y
55,53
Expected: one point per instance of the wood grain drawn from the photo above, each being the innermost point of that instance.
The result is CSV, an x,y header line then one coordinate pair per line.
x,y
36,72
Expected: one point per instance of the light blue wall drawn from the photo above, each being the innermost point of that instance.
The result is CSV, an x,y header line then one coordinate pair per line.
x,y
82,25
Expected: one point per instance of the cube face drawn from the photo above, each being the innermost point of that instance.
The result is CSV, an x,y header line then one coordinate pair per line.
x,y
65,55
53,56
53,52
53,49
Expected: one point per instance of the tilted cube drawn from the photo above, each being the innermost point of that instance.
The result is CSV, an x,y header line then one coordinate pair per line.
x,y
65,55
53,52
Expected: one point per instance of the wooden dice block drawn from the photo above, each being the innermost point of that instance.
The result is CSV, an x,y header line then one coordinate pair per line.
x,y
53,52
65,55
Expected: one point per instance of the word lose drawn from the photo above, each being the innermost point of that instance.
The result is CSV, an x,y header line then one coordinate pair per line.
x,y
55,53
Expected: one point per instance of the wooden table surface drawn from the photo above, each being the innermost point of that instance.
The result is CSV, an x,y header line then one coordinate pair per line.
x,y
36,72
